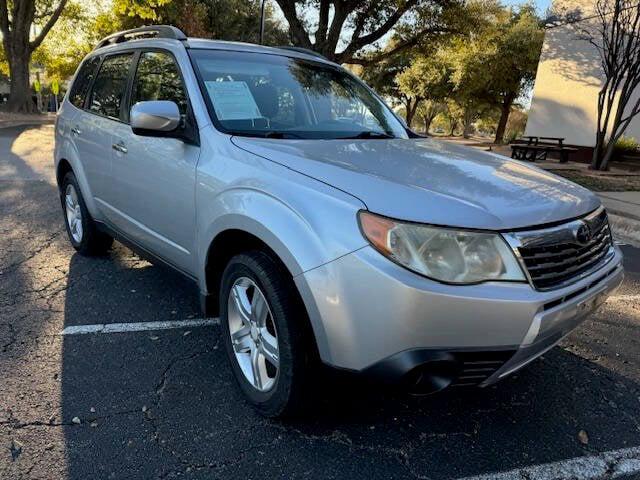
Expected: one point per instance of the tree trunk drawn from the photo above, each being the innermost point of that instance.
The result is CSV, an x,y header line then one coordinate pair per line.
x,y
504,117
453,126
606,158
412,108
427,124
467,121
20,98
596,159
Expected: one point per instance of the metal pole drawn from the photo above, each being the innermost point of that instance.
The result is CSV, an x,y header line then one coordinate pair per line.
x,y
262,5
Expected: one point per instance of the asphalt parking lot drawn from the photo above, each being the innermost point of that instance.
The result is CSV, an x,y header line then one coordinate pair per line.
x,y
163,404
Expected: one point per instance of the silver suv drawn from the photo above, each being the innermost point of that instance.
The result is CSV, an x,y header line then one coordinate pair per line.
x,y
315,224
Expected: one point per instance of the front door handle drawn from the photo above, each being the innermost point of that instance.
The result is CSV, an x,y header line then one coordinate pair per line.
x,y
120,147
76,131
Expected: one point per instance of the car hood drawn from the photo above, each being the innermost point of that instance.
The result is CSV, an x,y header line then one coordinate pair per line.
x,y
431,181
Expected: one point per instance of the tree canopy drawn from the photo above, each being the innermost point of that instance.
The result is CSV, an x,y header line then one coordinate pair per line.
x,y
461,57
17,19
488,66
353,31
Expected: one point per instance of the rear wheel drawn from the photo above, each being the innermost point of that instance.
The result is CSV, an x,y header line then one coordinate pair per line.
x,y
265,335
81,229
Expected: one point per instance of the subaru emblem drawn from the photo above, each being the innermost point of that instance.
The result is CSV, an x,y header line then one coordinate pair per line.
x,y
583,234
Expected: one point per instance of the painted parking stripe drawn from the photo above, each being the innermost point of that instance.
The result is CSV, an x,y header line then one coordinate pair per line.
x,y
625,298
612,464
138,327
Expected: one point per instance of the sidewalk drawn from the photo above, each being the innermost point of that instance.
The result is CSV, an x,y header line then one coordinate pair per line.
x,y
14,119
624,214
626,204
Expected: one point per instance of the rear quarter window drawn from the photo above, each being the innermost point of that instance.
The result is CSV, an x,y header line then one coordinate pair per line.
x,y
83,80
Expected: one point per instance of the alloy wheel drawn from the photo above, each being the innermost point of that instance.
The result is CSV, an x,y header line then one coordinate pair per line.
x,y
73,212
253,334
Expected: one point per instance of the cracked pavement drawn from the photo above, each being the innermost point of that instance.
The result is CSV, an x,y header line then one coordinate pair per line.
x,y
163,404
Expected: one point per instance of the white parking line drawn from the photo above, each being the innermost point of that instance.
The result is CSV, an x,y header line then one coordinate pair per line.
x,y
613,464
138,327
625,298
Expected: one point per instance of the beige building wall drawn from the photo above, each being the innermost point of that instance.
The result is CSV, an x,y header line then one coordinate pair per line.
x,y
564,102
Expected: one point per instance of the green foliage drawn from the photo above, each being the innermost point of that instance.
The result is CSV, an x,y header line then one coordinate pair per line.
x,y
140,9
66,44
236,20
512,135
482,68
626,145
82,25
428,77
515,126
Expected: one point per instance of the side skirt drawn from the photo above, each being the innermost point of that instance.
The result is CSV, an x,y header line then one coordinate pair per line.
x,y
148,255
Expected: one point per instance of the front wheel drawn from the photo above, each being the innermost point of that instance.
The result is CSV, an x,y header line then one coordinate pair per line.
x,y
265,335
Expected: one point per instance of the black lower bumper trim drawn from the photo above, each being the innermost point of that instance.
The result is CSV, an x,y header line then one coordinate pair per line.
x,y
425,371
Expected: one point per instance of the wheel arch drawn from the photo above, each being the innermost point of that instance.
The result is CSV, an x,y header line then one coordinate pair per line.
x,y
234,241
70,163
64,167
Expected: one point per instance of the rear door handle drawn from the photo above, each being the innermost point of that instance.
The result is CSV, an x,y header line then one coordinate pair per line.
x,y
120,147
76,131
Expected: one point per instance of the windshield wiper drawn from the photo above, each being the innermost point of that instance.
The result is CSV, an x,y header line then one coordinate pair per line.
x,y
280,134
368,134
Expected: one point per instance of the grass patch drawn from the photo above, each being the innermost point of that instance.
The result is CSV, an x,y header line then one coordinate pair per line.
x,y
602,183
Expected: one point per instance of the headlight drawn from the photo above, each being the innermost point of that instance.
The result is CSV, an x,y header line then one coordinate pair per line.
x,y
443,254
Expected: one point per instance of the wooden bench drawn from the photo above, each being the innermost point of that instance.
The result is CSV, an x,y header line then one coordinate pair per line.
x,y
532,148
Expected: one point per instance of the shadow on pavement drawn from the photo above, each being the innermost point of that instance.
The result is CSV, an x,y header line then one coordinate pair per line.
x,y
165,404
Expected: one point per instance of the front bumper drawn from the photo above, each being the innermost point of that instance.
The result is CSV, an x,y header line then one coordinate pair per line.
x,y
369,314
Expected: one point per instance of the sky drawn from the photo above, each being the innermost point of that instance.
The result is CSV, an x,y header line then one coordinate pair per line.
x,y
541,5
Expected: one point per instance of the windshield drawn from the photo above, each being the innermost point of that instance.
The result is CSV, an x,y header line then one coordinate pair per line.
x,y
276,96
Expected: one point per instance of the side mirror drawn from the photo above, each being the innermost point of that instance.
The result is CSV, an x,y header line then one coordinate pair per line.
x,y
155,118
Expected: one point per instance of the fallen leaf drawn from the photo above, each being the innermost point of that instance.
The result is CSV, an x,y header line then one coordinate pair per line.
x,y
94,424
583,437
76,420
16,449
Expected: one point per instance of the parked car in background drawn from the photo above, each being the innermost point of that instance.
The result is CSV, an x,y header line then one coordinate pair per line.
x,y
316,226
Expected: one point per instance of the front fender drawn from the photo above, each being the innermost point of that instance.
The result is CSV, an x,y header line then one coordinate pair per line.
x,y
299,236
305,225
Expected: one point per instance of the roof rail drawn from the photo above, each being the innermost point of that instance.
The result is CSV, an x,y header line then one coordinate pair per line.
x,y
304,50
150,31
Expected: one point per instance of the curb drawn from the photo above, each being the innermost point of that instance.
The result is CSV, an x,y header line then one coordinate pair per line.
x,y
625,228
18,123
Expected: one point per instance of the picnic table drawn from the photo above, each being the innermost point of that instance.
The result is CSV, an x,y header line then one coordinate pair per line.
x,y
534,148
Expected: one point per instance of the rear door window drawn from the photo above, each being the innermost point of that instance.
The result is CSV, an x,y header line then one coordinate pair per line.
x,y
83,80
110,86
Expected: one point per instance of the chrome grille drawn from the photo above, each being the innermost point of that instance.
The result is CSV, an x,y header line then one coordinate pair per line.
x,y
558,256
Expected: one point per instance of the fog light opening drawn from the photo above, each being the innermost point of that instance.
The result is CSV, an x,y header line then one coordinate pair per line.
x,y
431,377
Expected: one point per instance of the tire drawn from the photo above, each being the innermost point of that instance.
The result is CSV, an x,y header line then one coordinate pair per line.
x,y
283,392
81,228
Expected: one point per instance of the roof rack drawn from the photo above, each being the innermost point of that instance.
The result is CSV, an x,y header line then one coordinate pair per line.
x,y
304,50
151,31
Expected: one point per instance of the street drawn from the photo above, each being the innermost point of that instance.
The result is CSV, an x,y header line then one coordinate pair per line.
x,y
162,403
